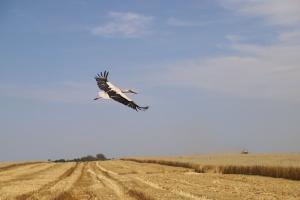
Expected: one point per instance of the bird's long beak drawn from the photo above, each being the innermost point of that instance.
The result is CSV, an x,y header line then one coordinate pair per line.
x,y
97,98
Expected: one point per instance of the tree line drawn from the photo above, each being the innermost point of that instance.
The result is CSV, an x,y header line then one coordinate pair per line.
x,y
98,157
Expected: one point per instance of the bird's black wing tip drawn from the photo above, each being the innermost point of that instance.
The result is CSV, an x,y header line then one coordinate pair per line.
x,y
103,74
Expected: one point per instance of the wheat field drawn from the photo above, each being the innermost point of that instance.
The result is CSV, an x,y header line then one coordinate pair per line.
x,y
272,165
284,160
123,179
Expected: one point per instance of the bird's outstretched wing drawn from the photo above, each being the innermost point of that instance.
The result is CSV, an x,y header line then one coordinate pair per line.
x,y
102,81
115,93
126,101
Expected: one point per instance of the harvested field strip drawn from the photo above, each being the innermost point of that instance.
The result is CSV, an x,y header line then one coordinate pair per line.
x,y
7,175
171,190
64,185
45,187
13,166
102,186
292,173
138,188
110,181
122,188
79,189
29,175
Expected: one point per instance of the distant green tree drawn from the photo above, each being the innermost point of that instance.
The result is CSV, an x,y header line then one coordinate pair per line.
x,y
101,156
88,158
60,160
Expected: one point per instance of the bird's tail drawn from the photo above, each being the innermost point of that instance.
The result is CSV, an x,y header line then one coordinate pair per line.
x,y
142,108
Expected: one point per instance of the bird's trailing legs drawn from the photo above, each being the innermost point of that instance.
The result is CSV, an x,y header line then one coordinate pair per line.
x,y
128,91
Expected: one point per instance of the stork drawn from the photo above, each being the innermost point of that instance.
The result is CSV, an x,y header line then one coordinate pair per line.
x,y
112,92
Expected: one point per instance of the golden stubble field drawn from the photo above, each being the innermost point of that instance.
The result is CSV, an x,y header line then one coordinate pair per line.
x,y
122,179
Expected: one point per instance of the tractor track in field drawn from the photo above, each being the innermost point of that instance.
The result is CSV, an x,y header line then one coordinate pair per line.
x,y
176,192
171,190
50,184
76,192
155,186
119,187
109,182
27,176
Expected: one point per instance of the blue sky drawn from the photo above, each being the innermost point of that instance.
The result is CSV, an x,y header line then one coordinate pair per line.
x,y
218,76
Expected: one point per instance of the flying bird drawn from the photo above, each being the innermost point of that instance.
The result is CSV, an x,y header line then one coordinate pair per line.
x,y
112,92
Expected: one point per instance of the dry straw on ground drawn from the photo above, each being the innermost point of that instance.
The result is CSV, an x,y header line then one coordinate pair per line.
x,y
119,179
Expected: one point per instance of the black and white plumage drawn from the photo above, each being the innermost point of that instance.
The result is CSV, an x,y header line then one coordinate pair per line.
x,y
112,92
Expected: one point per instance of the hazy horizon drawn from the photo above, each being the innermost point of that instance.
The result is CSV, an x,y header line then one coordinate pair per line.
x,y
219,76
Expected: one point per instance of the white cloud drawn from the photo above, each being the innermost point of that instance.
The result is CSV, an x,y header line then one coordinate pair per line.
x,y
183,23
124,24
257,71
291,36
280,12
254,71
